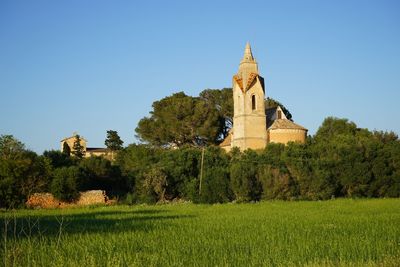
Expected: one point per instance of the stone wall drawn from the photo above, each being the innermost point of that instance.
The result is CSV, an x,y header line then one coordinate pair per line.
x,y
92,197
48,201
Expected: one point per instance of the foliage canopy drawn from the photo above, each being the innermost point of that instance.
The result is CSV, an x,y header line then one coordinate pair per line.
x,y
180,120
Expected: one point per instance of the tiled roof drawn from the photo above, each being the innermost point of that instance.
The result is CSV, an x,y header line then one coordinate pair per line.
x,y
285,124
73,137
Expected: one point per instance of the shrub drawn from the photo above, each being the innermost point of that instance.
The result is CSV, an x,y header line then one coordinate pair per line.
x,y
244,183
215,186
65,183
277,184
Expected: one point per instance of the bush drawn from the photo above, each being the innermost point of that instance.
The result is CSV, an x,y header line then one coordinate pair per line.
x,y
22,172
99,173
215,187
155,183
58,159
182,167
129,199
277,184
65,183
244,182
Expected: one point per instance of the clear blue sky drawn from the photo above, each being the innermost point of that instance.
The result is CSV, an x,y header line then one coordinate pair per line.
x,y
90,66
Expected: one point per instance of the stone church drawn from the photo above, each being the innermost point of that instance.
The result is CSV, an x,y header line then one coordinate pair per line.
x,y
254,126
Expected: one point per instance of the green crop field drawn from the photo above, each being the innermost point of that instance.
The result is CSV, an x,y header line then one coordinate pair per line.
x,y
341,232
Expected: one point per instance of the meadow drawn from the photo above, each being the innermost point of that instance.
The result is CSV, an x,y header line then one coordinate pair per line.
x,y
343,232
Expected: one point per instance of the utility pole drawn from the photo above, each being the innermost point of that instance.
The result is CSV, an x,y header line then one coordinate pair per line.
x,y
201,169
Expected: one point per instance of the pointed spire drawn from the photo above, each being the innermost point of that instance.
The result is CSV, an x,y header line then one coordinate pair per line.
x,y
248,64
248,56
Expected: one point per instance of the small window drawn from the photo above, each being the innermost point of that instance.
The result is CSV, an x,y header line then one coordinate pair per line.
x,y
253,102
279,114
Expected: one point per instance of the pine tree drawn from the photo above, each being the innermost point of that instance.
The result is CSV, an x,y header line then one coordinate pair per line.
x,y
78,150
113,142
66,149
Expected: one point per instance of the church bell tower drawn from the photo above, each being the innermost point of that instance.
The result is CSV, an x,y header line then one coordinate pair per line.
x,y
249,121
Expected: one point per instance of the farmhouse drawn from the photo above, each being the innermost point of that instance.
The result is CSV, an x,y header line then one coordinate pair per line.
x,y
89,151
254,126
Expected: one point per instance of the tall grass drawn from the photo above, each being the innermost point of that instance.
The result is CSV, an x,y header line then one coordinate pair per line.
x,y
330,233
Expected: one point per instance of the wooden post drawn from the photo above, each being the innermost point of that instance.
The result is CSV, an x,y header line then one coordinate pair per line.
x,y
201,169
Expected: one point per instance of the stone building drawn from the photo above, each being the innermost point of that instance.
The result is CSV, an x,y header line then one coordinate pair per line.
x,y
89,151
254,126
70,142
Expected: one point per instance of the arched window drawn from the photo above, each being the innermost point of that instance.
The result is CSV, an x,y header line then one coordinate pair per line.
x,y
253,102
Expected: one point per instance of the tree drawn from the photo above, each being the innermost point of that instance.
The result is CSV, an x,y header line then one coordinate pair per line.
x,y
22,172
58,159
385,165
65,183
243,172
113,142
99,173
78,150
10,148
215,183
36,176
12,169
275,174
332,127
222,101
182,169
276,183
66,149
386,137
180,120
155,183
134,161
312,178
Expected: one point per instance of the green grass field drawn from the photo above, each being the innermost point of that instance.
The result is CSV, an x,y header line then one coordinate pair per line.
x,y
329,233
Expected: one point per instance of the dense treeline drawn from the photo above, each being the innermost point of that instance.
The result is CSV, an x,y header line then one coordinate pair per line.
x,y
341,160
23,172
